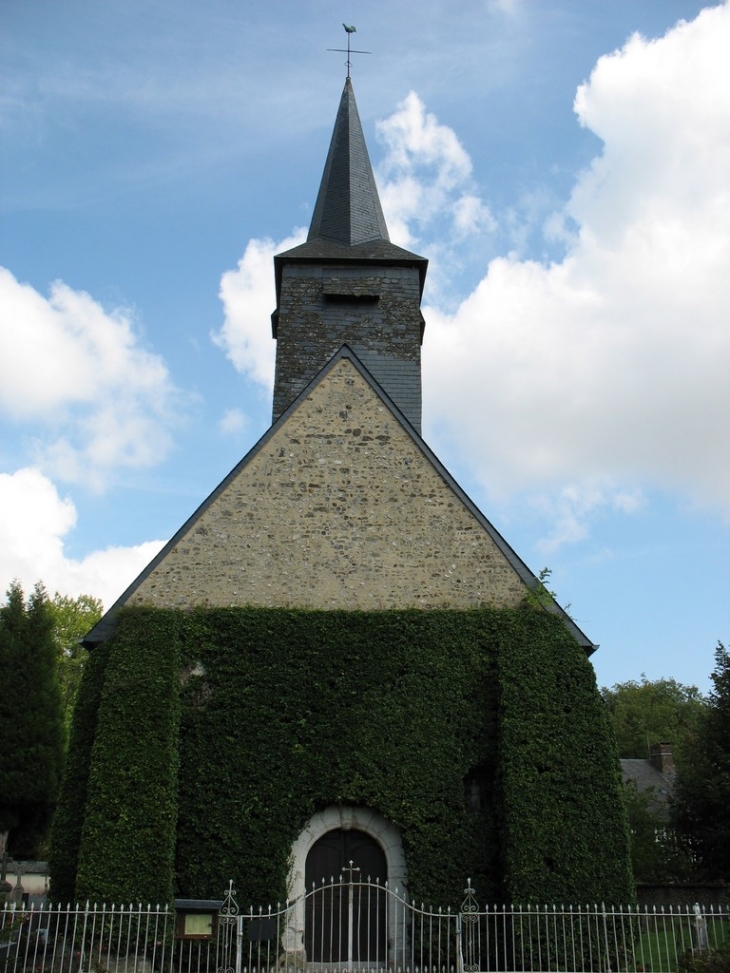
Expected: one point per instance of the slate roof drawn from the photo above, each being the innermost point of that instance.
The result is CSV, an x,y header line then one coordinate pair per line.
x,y
104,628
647,779
348,222
348,207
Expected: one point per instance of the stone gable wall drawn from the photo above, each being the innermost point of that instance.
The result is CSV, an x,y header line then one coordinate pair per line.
x,y
338,509
373,309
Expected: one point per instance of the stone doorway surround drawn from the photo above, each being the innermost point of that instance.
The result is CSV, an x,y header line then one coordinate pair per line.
x,y
347,818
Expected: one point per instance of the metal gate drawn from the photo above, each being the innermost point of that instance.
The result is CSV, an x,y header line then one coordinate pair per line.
x,y
349,923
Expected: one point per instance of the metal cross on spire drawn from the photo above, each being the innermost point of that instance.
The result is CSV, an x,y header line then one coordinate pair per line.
x,y
349,30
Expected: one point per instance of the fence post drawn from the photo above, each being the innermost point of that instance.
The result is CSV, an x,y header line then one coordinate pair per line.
x,y
82,957
239,943
232,923
469,910
350,911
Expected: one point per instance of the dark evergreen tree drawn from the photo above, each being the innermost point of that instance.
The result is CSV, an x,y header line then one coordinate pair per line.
x,y
31,720
702,789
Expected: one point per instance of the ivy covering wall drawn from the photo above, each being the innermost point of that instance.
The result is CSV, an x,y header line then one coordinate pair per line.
x,y
69,817
564,830
479,734
127,840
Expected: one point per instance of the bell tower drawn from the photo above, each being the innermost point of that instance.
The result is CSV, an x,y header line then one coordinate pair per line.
x,y
348,284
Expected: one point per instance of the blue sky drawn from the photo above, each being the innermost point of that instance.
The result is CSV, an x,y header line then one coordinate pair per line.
x,y
563,165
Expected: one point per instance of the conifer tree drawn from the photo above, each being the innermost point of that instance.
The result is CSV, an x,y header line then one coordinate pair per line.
x,y
31,720
702,789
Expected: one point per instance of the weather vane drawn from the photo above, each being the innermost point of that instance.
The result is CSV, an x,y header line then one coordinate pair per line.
x,y
349,30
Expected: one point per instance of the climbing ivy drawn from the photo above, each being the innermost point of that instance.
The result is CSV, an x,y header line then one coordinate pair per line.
x,y
69,817
564,827
479,734
302,710
128,836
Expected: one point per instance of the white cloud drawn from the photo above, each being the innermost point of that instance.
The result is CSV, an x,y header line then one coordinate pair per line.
x,y
249,297
471,215
77,376
426,174
233,422
611,365
34,520
570,509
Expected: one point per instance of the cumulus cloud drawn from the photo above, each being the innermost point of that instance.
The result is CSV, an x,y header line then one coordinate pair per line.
x,y
34,521
249,297
608,369
426,173
78,379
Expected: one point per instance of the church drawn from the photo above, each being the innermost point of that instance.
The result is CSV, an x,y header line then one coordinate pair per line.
x,y
337,658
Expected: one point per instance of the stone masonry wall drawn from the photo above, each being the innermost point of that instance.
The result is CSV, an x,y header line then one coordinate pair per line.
x,y
338,509
374,309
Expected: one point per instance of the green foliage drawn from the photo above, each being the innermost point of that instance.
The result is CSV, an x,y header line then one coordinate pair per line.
x,y
297,711
541,596
652,711
69,816
72,618
479,734
31,725
565,835
702,787
128,836
705,961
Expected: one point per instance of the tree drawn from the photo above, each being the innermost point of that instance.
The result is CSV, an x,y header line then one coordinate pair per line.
x,y
702,787
31,719
72,619
652,711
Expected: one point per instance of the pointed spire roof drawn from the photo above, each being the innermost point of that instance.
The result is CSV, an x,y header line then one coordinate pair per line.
x,y
348,208
348,222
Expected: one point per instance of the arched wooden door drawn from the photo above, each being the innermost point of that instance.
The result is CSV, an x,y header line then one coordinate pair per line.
x,y
328,909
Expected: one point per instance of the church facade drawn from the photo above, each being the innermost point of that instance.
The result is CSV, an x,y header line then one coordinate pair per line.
x,y
337,656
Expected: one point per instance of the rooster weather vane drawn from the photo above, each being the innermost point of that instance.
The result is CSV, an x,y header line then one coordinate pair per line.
x,y
349,30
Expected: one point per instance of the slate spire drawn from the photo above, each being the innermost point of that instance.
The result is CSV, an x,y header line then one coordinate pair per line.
x,y
348,284
348,208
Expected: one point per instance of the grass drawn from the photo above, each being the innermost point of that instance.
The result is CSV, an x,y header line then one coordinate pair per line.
x,y
658,949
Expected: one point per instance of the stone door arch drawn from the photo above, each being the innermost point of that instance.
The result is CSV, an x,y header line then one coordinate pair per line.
x,y
342,818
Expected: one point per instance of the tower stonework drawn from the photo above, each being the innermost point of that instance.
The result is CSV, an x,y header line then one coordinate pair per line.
x,y
348,284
